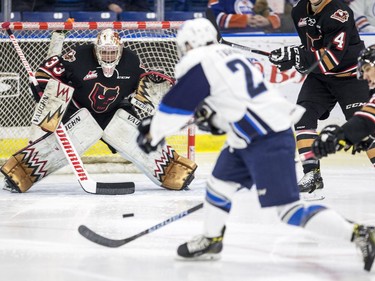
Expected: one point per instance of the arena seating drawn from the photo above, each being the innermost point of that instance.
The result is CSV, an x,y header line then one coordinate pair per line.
x,y
14,16
182,16
45,16
175,10
137,16
93,16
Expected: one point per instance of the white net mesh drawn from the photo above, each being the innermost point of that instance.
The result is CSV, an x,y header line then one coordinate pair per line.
x,y
154,43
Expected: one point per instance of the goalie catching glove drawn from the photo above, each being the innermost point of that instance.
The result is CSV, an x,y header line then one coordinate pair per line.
x,y
152,87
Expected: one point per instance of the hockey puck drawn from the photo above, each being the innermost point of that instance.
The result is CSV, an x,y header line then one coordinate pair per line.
x,y
128,215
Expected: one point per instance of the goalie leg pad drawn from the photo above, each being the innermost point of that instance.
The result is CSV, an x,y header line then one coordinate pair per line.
x,y
164,166
45,156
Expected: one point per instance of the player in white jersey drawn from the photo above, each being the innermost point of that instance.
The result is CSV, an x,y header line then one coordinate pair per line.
x,y
220,87
364,14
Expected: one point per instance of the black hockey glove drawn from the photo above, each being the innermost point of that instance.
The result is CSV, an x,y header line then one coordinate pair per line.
x,y
144,139
287,57
330,140
203,117
361,146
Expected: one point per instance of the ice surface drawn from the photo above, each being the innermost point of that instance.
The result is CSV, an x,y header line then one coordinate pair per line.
x,y
39,238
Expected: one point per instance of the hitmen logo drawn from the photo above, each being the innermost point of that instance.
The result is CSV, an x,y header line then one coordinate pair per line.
x,y
70,57
340,15
102,97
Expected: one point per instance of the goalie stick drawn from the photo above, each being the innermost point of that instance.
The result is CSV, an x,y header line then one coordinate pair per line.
x,y
114,243
212,18
73,158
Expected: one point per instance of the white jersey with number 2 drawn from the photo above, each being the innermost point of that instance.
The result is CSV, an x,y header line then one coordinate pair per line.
x,y
246,107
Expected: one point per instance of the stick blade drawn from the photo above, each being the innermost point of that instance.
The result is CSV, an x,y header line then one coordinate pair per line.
x,y
98,239
115,188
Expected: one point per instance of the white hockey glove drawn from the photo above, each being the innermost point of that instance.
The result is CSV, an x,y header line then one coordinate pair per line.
x,y
144,138
204,119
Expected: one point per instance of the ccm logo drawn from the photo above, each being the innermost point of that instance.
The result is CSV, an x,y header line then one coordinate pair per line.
x,y
353,105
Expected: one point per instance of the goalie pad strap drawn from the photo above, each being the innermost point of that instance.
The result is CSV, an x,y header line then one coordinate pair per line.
x,y
164,166
44,156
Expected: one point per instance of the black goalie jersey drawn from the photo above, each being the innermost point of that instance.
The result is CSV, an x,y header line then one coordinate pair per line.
x,y
331,31
80,69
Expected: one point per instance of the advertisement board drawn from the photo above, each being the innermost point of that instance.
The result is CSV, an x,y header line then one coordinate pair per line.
x,y
288,82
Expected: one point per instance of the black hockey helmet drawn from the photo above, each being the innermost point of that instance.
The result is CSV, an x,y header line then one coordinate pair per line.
x,y
367,55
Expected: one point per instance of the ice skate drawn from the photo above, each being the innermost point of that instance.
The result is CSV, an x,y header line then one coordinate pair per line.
x,y
311,185
364,238
9,186
201,248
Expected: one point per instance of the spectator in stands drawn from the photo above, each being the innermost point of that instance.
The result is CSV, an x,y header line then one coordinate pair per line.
x,y
118,6
254,15
137,5
104,5
284,9
34,5
364,14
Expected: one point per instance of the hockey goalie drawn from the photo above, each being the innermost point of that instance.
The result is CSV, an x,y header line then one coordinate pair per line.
x,y
98,91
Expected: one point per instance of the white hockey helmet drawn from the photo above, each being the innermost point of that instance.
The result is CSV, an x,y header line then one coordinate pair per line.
x,y
108,50
194,34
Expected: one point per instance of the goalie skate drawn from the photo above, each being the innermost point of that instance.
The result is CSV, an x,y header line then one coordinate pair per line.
x,y
9,186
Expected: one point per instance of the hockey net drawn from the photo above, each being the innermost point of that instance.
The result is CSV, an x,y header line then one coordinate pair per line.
x,y
154,43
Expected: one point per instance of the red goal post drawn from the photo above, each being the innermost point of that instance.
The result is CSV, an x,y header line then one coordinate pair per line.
x,y
154,43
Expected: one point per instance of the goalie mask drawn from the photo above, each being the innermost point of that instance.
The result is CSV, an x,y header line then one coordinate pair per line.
x,y
194,34
108,50
366,56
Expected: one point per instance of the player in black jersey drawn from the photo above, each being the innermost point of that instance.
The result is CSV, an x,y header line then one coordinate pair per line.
x,y
111,94
102,79
358,130
330,40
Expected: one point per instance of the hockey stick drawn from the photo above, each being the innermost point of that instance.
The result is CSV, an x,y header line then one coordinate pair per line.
x,y
87,184
212,18
114,243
